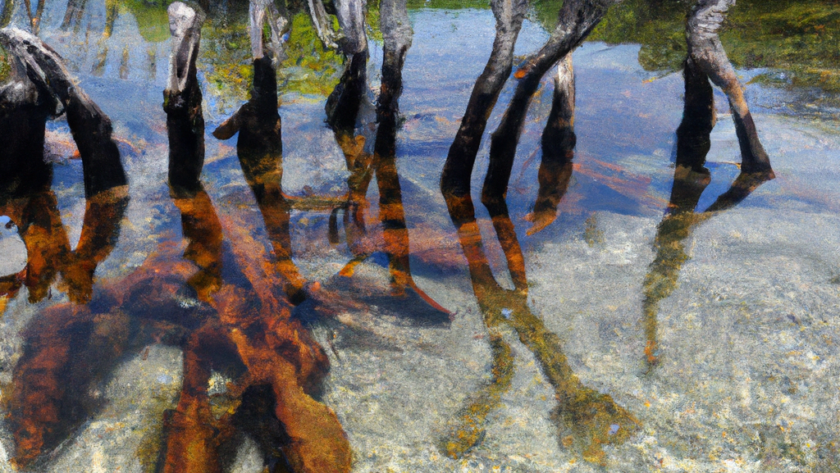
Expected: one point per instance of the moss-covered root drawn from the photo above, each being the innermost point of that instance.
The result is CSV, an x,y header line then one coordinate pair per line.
x,y
467,429
594,419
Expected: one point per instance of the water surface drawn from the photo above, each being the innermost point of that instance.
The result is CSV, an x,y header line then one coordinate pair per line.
x,y
504,351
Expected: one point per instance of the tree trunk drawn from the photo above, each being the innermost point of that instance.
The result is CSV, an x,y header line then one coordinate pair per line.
x,y
90,127
182,101
457,171
706,50
558,149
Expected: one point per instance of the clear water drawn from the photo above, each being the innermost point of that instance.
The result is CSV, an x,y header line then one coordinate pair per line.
x,y
419,379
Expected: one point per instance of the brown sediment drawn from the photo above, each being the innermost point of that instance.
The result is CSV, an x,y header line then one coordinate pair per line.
x,y
255,327
276,349
100,232
192,432
68,348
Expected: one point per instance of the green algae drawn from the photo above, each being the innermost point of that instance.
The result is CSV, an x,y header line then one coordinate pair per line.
x,y
5,68
311,69
152,18
448,4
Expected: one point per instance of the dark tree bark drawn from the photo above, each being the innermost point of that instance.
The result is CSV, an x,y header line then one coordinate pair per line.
x,y
343,104
182,101
259,147
90,127
397,39
691,178
397,34
577,19
455,179
23,117
558,149
345,99
706,50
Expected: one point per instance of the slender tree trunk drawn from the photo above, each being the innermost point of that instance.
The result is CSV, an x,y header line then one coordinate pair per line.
x,y
558,149
322,23
457,171
345,99
182,101
351,20
23,118
577,19
706,50
690,180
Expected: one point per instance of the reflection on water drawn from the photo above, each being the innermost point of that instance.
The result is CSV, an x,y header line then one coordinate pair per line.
x,y
217,244
690,180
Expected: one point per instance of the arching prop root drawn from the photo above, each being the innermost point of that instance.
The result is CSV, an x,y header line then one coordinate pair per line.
x,y
58,93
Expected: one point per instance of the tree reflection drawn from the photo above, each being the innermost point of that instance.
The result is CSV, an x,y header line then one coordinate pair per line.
x,y
592,419
232,321
343,110
48,249
690,180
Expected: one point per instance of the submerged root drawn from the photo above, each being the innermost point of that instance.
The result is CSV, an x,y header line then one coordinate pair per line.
x,y
467,430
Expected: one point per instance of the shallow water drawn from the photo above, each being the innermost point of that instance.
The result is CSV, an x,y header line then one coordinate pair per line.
x,y
621,337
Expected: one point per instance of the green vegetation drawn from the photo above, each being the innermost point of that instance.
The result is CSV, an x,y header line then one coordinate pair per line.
x,y
225,59
310,69
448,4
797,40
372,20
799,37
5,68
151,16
